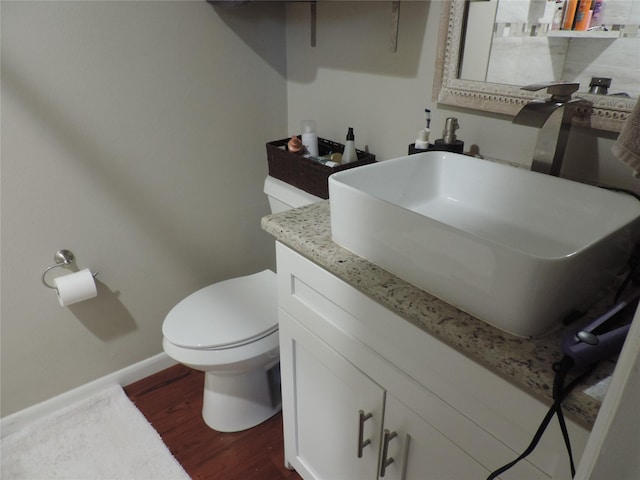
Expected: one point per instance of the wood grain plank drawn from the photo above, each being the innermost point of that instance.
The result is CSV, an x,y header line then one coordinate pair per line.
x,y
171,400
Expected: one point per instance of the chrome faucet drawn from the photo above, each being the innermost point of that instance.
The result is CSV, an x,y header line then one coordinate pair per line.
x,y
553,116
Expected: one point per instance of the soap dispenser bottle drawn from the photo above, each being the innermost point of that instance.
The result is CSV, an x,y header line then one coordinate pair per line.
x,y
421,143
349,155
449,142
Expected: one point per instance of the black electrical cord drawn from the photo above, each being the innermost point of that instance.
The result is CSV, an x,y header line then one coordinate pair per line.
x,y
562,368
560,392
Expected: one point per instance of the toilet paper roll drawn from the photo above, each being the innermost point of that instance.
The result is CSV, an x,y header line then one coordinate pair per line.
x,y
75,287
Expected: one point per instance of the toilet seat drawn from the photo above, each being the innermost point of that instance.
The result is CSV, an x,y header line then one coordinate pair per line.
x,y
225,315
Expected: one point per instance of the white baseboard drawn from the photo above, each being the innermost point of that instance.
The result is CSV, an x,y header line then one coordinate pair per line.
x,y
124,377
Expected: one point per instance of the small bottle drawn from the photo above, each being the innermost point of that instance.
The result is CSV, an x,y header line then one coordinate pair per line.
x,y
422,141
596,15
349,155
310,137
294,145
583,16
556,24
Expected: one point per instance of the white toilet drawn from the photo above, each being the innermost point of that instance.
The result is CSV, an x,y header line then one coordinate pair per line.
x,y
229,330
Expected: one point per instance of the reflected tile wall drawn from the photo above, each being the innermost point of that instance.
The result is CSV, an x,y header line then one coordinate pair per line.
x,y
510,11
618,12
618,60
526,60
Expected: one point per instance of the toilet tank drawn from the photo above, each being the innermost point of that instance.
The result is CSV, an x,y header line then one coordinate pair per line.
x,y
283,196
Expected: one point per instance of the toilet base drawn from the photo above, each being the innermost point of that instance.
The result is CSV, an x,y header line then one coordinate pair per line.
x,y
238,402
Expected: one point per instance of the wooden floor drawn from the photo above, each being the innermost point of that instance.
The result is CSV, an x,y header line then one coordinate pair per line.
x,y
171,401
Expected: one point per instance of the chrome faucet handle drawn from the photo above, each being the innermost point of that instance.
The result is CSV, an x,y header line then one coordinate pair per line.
x,y
560,91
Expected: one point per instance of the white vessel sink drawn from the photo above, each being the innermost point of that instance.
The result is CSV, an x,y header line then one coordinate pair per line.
x,y
517,249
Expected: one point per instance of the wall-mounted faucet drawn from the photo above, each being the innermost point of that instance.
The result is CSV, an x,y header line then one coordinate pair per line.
x,y
553,116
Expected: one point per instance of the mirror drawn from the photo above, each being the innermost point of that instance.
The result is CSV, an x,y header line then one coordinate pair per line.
x,y
451,87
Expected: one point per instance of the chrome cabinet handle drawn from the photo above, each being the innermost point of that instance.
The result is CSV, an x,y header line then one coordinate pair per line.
x,y
361,441
388,436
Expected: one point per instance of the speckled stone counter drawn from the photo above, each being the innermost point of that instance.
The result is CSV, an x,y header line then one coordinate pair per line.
x,y
524,362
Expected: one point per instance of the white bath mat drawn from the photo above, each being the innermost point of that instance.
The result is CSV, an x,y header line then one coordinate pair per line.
x,y
103,437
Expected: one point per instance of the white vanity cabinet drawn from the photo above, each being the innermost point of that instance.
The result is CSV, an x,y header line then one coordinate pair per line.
x,y
343,419
367,394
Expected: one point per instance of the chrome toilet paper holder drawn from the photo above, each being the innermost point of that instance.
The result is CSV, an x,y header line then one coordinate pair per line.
x,y
62,258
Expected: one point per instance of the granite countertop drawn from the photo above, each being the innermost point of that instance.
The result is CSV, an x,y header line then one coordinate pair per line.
x,y
524,362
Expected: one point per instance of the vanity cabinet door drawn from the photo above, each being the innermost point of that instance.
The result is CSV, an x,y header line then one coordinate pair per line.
x,y
418,451
340,424
322,398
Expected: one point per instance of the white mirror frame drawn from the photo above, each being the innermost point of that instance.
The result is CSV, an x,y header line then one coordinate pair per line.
x,y
607,112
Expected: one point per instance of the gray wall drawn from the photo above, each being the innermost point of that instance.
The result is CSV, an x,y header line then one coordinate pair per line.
x,y
352,79
132,134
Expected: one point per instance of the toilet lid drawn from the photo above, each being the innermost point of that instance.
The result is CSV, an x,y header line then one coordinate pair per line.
x,y
226,314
